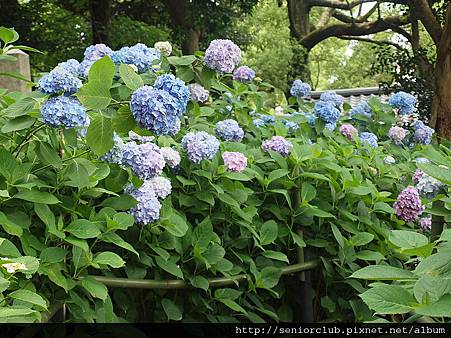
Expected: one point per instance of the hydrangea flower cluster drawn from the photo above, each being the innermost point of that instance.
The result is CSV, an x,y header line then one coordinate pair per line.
x,y
222,56
404,102
63,111
327,111
332,97
229,130
426,223
171,156
362,109
397,134
330,126
234,161
389,160
163,47
139,55
408,205
428,186
144,159
264,120
311,118
160,185
114,155
70,66
300,89
154,109
421,160
417,175
148,208
176,88
278,144
243,74
348,130
200,146
198,93
290,125
278,111
59,80
423,133
368,139
92,54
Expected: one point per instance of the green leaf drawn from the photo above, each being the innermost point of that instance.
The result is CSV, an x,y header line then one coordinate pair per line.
x,y
446,235
11,311
169,267
441,308
438,264
268,232
18,123
361,191
361,238
171,309
21,107
232,304
368,255
95,95
130,78
81,243
298,240
9,226
382,206
123,120
123,202
315,211
53,271
29,297
37,197
46,215
407,239
8,249
268,277
53,255
279,256
383,272
102,70
117,240
120,221
388,299
95,288
82,228
429,289
49,155
439,173
337,234
227,293
8,35
176,225
7,163
109,258
100,135
78,175
214,254
181,60
200,283
276,174
308,192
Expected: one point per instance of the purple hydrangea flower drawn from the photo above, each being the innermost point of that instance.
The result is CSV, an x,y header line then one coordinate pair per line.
x,y
198,93
404,102
222,56
160,185
155,110
362,109
148,208
96,52
200,146
171,156
63,111
417,175
426,223
244,74
423,133
145,159
327,111
408,205
278,144
300,89
176,88
234,161
142,57
333,97
397,134
348,130
368,139
229,130
59,80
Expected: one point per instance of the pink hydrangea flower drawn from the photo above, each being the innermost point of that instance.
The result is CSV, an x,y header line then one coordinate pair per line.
x,y
417,175
348,130
408,206
397,134
234,161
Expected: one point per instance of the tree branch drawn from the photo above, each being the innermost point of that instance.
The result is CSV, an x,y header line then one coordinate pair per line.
x,y
424,12
336,3
377,42
325,17
347,19
346,29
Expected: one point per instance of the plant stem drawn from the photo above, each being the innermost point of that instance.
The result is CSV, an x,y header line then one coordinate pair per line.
x,y
27,136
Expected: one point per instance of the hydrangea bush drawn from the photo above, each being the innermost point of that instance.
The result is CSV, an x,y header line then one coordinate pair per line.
x,y
165,167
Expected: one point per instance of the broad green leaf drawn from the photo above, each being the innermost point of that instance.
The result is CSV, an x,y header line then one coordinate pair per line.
x,y
276,174
446,235
171,309
95,95
214,254
46,215
430,288
123,120
53,255
53,271
49,155
227,293
131,79
439,173
438,264
169,267
18,123
269,277
368,255
200,283
123,202
338,236
102,70
232,304
176,225
361,191
308,192
100,134
37,197
82,228
181,60
382,206
81,243
8,35
309,210
12,311
268,232
120,221
298,240
77,174
441,308
383,272
117,240
95,288
407,239
388,299
7,163
21,107
109,258
9,226
29,297
8,249
361,238
279,256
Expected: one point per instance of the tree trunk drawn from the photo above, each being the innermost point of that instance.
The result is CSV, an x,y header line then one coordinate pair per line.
x,y
191,42
101,12
441,104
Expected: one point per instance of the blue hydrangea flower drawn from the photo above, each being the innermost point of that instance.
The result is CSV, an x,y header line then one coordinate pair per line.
x,y
327,111
200,146
368,139
96,52
428,186
291,126
114,155
160,185
389,160
222,56
404,102
331,126
300,89
332,97
59,80
144,159
259,123
70,66
229,130
85,66
422,160
63,111
155,110
244,74
198,93
362,108
267,119
176,88
143,57
148,208
423,133
311,118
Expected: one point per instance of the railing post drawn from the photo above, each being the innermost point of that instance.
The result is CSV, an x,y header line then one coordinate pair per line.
x,y
20,66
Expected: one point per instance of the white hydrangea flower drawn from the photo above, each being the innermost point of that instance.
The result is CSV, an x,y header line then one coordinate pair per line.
x,y
13,267
164,47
